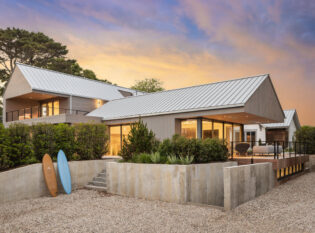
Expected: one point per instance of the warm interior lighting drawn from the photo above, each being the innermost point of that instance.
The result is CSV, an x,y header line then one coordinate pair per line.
x,y
98,103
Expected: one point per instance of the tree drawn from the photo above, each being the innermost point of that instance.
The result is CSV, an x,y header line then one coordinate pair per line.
x,y
37,49
148,85
306,134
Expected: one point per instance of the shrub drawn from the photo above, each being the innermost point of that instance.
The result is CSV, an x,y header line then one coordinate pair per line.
x,y
172,159
4,160
19,146
186,160
306,134
155,157
91,140
202,151
141,158
43,137
140,140
64,139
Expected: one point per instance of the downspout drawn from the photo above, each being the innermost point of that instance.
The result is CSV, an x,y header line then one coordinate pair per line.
x,y
70,104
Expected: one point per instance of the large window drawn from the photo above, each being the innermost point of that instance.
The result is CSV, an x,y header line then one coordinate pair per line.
x,y
206,129
218,130
116,136
189,128
50,108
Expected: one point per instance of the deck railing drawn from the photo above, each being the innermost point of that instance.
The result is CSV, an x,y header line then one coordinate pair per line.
x,y
279,149
38,112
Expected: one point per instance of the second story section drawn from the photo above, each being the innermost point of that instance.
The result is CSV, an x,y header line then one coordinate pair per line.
x,y
38,95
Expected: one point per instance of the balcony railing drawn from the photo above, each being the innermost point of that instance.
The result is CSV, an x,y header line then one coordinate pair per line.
x,y
276,149
38,112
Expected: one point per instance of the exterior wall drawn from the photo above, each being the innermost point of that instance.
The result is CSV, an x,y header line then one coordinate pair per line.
x,y
165,126
244,183
85,104
17,104
199,183
62,118
206,183
260,131
17,85
28,182
291,129
264,102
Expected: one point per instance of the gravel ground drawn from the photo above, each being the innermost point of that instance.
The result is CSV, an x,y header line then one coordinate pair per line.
x,y
287,208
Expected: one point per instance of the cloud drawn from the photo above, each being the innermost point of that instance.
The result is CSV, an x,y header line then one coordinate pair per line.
x,y
184,42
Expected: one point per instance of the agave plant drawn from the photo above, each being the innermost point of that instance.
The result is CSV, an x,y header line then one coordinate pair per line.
x,y
172,159
155,157
186,160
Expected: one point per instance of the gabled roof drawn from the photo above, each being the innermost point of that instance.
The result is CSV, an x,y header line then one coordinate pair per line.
x,y
290,115
233,93
56,82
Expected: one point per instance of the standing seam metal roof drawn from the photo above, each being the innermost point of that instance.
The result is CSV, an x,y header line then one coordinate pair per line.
x,y
231,93
56,82
289,114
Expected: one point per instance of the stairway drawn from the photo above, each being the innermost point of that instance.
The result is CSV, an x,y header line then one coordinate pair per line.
x,y
98,183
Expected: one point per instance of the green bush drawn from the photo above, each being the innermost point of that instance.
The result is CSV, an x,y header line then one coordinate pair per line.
x,y
306,134
43,137
140,140
5,162
91,140
19,145
202,151
64,139
141,158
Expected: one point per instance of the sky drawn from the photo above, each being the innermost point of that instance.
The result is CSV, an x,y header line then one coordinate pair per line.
x,y
184,43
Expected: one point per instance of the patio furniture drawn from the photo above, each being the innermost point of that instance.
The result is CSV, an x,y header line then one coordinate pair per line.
x,y
242,147
266,150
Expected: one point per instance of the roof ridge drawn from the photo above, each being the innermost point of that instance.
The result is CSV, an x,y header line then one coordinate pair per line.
x,y
75,76
200,85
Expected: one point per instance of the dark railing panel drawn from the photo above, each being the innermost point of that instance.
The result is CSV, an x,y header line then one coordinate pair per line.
x,y
37,112
280,149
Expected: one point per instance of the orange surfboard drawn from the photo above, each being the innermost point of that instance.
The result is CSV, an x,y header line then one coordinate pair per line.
x,y
50,175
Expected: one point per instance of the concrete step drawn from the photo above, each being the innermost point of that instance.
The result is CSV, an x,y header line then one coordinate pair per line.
x,y
97,183
102,174
97,188
99,179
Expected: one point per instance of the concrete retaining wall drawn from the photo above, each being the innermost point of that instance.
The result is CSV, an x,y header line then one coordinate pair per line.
x,y
199,183
28,182
244,183
311,163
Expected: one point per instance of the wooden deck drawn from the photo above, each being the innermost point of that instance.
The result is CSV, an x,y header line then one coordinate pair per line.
x,y
285,166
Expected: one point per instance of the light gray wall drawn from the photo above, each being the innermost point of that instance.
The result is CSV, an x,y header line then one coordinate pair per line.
x,y
198,183
244,183
62,118
165,126
85,104
206,183
264,102
17,85
28,182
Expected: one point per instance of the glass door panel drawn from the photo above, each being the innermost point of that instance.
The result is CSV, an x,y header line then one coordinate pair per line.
x,y
115,140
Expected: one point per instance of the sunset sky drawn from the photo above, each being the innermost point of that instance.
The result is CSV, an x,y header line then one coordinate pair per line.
x,y
184,43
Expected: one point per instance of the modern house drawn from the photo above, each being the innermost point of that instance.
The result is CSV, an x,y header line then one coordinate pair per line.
x,y
212,110
283,132
36,95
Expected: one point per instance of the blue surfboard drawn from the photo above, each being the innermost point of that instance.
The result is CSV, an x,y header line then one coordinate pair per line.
x,y
64,171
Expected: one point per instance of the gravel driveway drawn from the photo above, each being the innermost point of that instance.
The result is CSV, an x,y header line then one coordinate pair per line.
x,y
287,208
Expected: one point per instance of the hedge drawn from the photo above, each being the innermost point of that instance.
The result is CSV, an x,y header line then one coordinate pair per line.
x,y
21,144
141,145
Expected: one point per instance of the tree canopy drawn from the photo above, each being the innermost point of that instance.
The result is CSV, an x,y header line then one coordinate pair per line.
x,y
37,49
148,85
